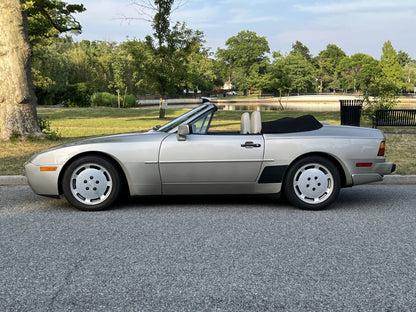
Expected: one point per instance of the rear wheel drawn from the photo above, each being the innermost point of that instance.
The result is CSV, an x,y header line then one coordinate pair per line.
x,y
312,183
91,183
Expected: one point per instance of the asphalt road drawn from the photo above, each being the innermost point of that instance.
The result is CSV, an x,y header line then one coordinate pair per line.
x,y
210,254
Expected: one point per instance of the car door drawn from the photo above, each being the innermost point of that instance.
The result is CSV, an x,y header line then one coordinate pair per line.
x,y
210,163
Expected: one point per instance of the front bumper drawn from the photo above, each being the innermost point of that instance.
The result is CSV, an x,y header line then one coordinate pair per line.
x,y
42,182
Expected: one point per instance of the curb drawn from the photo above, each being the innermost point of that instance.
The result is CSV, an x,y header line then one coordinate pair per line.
x,y
13,180
389,179
398,179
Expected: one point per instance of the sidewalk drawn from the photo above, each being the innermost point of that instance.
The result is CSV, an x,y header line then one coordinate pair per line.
x,y
389,179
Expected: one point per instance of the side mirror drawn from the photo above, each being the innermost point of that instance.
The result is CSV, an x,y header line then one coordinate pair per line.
x,y
183,131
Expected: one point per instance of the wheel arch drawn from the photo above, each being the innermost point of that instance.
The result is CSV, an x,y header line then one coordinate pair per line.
x,y
333,159
108,157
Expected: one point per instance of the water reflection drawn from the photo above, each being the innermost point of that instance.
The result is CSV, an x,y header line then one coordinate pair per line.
x,y
304,105
317,106
249,107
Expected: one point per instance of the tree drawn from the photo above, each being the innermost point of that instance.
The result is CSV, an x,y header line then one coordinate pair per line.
x,y
279,76
299,72
403,58
299,47
291,72
169,47
358,72
17,98
243,51
139,54
121,75
167,68
326,64
410,76
51,70
383,93
201,73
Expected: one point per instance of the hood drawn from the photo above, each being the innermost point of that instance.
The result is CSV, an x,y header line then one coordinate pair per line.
x,y
115,138
107,144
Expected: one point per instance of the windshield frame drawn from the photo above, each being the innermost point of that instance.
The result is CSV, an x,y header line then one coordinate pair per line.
x,y
186,118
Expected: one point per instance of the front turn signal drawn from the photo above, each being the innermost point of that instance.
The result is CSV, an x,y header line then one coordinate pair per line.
x,y
45,169
382,148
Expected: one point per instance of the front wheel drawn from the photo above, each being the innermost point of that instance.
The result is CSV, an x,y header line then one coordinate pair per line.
x,y
91,183
312,183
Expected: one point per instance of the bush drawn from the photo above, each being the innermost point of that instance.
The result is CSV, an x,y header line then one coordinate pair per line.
x,y
131,101
111,100
45,126
78,95
104,99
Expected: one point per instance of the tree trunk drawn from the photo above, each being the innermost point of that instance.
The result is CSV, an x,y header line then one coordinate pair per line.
x,y
162,111
17,97
124,97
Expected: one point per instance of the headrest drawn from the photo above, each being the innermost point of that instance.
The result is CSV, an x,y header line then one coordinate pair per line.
x,y
255,123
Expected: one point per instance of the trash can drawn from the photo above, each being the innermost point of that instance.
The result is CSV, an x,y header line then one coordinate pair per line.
x,y
351,112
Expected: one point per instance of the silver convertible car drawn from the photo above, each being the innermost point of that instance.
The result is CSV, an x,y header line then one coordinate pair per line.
x,y
305,160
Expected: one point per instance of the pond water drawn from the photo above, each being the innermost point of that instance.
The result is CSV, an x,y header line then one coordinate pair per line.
x,y
249,107
321,105
230,107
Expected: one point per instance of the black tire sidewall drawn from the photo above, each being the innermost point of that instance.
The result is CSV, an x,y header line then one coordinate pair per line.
x,y
108,165
289,190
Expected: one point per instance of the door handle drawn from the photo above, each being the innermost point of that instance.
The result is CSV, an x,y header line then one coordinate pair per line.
x,y
250,144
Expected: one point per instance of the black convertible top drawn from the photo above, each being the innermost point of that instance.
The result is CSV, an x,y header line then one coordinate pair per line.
x,y
289,124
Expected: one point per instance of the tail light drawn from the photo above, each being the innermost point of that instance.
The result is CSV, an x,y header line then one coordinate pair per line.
x,y
381,149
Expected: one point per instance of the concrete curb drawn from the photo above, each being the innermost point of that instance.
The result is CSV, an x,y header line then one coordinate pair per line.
x,y
389,179
399,179
13,180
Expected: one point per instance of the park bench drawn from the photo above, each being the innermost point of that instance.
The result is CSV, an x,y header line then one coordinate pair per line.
x,y
394,117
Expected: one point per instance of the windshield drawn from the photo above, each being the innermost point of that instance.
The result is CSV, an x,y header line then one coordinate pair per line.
x,y
176,122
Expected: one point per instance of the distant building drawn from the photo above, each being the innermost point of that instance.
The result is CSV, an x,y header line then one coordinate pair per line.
x,y
228,85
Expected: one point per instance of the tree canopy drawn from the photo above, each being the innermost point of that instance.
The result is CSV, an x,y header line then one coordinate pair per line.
x,y
245,55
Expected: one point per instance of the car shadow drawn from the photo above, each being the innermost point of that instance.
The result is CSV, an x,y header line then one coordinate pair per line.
x,y
192,200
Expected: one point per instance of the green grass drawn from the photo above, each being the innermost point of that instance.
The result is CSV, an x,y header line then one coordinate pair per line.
x,y
78,123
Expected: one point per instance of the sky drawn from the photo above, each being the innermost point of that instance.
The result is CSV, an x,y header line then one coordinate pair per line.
x,y
354,26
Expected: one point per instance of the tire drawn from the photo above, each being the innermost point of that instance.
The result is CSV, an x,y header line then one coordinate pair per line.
x,y
91,183
312,183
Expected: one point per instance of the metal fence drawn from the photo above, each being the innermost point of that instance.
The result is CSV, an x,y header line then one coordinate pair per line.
x,y
351,112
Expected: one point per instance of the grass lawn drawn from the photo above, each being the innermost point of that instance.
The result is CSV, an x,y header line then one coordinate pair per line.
x,y
78,123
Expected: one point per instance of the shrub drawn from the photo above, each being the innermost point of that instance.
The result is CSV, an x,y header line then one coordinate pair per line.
x,y
45,126
111,100
131,101
104,99
78,95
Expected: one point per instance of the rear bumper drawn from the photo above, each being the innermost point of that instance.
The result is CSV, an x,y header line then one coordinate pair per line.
x,y
379,170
